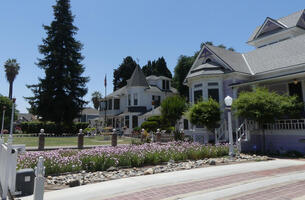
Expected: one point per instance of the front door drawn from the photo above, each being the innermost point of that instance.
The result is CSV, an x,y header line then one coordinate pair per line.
x,y
296,90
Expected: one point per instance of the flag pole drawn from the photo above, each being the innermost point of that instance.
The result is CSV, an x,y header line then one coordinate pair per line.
x,y
105,102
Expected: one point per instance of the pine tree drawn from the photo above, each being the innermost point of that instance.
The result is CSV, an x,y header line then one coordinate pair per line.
x,y
157,68
58,97
123,73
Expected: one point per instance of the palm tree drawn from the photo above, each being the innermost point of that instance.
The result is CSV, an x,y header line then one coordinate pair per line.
x,y
96,97
11,69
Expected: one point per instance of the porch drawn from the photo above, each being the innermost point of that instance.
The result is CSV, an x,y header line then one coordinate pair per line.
x,y
281,137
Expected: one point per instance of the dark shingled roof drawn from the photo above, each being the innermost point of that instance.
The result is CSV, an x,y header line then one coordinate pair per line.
x,y
137,78
288,21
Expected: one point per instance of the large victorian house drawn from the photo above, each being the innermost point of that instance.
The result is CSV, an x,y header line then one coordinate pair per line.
x,y
277,62
129,106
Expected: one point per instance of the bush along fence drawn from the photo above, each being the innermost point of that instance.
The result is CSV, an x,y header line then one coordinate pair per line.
x,y
102,158
52,128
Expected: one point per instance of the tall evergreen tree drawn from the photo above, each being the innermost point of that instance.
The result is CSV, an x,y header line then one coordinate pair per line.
x,y
59,95
123,73
182,68
157,67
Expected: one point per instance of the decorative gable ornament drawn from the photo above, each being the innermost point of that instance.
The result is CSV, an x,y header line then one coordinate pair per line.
x,y
205,53
301,22
270,26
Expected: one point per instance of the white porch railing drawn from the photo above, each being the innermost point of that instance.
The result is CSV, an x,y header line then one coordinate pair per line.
x,y
287,124
221,133
243,132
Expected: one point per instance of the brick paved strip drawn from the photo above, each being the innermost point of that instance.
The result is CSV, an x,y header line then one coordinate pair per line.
x,y
287,192
183,188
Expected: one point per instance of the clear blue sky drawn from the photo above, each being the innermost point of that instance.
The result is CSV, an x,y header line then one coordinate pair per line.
x,y
144,29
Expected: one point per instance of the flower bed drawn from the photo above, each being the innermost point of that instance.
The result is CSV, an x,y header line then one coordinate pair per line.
x,y
101,158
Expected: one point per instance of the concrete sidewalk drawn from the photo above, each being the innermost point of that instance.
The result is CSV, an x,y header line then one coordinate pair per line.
x,y
218,182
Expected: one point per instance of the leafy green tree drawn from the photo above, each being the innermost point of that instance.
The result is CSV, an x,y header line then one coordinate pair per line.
x,y
123,73
181,70
58,97
7,103
263,106
11,70
172,108
155,122
157,67
95,98
205,113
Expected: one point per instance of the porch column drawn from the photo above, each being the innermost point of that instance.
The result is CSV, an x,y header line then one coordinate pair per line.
x,y
112,103
303,90
130,122
235,118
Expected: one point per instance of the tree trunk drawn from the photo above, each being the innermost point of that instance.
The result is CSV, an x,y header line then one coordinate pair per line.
x,y
11,90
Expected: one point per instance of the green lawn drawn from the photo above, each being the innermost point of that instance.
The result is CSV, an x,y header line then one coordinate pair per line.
x,y
69,141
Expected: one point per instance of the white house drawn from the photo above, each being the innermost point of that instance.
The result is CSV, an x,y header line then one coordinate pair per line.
x,y
277,62
129,106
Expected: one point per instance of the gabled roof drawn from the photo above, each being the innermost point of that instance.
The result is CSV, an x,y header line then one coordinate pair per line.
x,y
280,55
288,22
234,59
117,93
206,69
137,78
287,53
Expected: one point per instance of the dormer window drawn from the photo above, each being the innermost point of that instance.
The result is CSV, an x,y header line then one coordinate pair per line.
x,y
165,84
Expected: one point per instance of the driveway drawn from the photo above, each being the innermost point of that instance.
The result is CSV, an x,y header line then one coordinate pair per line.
x,y
276,179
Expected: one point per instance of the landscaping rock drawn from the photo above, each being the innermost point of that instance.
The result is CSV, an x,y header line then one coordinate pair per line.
x,y
112,173
74,183
111,169
212,162
149,171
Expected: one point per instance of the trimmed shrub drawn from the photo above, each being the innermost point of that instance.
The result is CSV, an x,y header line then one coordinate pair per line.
x,y
51,127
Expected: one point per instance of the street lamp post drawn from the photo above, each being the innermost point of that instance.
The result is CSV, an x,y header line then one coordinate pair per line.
x,y
3,115
228,102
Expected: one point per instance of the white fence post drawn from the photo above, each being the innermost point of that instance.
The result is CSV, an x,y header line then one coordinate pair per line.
x,y
39,180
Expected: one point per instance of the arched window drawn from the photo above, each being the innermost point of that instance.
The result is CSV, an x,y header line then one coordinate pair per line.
x,y
208,60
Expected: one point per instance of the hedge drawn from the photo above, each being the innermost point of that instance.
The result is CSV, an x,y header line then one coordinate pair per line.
x,y
51,127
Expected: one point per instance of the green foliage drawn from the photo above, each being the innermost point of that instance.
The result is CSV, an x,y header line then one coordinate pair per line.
x,y
99,159
181,70
95,98
58,97
206,113
123,73
51,127
89,130
157,68
4,101
266,107
150,126
137,129
172,109
11,71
